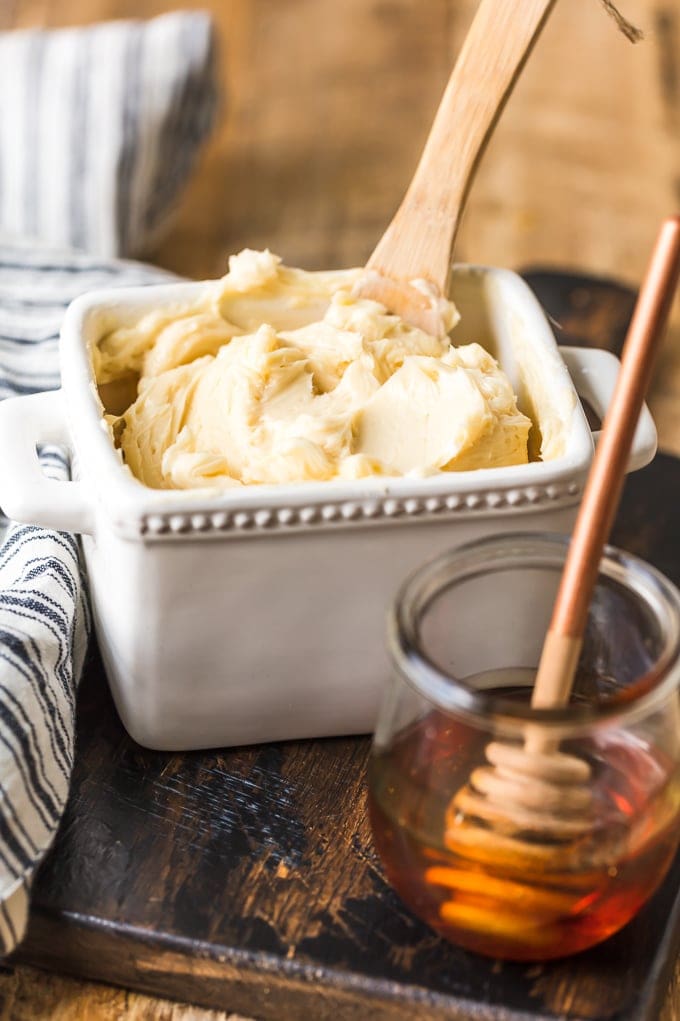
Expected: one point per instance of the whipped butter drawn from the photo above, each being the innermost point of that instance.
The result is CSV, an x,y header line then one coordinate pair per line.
x,y
276,375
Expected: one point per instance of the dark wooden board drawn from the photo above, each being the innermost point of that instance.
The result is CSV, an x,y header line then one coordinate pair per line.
x,y
246,879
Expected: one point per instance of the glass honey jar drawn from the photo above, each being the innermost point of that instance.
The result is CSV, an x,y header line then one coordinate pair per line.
x,y
505,853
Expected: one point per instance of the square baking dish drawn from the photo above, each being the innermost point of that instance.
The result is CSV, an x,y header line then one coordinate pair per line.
x,y
257,614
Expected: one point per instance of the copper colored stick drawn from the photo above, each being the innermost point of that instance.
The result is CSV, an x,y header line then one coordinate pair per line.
x,y
605,479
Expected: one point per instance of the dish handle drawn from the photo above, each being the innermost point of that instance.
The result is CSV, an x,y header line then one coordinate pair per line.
x,y
594,373
26,493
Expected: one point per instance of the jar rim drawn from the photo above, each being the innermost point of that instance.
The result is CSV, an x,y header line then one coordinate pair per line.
x,y
451,694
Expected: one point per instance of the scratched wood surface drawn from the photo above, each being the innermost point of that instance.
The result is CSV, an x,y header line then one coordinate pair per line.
x,y
328,103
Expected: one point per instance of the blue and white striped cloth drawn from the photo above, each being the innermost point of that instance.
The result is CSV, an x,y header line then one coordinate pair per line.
x,y
100,126
44,618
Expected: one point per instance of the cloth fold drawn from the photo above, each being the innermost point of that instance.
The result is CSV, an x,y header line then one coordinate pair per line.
x,y
44,626
44,616
100,126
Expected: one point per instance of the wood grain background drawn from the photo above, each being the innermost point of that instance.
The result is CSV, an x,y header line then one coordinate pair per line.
x,y
327,104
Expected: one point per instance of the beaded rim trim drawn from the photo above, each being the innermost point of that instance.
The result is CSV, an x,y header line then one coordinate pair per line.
x,y
350,512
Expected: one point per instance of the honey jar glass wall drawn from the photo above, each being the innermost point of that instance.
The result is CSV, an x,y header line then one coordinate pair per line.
x,y
506,851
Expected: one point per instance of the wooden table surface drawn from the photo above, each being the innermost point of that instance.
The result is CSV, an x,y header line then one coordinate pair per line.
x,y
327,105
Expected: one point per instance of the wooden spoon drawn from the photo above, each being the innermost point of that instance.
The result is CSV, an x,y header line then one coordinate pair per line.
x,y
418,243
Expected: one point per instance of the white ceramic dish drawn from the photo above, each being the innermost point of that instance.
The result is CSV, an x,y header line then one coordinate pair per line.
x,y
257,614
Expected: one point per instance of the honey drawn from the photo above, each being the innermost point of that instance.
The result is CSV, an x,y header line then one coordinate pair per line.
x,y
528,899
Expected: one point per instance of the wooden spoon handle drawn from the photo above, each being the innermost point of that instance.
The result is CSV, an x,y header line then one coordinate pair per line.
x,y
605,480
419,240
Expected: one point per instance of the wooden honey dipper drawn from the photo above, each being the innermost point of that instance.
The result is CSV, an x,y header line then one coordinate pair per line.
x,y
532,797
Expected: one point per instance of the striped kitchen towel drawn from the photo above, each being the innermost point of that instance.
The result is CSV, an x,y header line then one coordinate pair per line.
x,y
100,126
44,620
